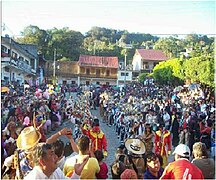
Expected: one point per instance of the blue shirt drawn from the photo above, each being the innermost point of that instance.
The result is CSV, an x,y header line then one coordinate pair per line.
x,y
148,175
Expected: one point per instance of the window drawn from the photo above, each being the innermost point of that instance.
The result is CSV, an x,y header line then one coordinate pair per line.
x,y
124,74
7,69
14,55
13,77
82,70
107,83
97,82
6,79
87,83
4,49
26,61
32,63
145,65
21,58
98,72
87,71
73,82
107,72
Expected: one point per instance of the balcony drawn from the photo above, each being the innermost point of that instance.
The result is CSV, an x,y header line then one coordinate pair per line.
x,y
111,76
18,64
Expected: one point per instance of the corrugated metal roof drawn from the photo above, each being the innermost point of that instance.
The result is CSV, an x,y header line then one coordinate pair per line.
x,y
100,61
151,54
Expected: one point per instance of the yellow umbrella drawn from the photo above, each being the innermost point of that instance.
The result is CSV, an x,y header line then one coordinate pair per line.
x,y
5,89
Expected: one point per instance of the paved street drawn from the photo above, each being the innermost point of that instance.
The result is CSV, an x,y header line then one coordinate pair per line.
x,y
112,140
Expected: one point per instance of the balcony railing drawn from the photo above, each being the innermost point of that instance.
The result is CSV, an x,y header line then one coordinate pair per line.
x,y
19,64
49,73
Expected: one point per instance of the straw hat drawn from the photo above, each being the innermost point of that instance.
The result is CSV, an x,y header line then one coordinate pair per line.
x,y
135,145
28,138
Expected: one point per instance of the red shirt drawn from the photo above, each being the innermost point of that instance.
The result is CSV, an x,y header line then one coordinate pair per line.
x,y
182,169
103,171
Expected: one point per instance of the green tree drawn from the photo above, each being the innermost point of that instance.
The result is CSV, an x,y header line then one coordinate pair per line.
x,y
200,69
143,76
163,76
169,72
34,35
199,45
171,46
67,43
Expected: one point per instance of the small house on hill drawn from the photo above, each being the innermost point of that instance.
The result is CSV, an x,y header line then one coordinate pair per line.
x,y
145,59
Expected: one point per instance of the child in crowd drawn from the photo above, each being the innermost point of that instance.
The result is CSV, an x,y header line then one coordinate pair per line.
x,y
103,166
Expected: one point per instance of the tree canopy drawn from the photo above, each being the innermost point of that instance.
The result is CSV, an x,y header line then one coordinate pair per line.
x,y
190,57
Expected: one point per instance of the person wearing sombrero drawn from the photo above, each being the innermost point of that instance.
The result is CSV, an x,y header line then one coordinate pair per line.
x,y
26,142
136,149
20,163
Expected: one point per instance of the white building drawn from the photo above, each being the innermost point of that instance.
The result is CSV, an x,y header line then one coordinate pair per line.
x,y
18,62
124,76
146,59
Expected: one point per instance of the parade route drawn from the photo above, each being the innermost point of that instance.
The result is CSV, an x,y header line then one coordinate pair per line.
x,y
112,141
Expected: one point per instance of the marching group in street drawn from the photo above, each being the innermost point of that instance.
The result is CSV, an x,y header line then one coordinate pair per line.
x,y
150,122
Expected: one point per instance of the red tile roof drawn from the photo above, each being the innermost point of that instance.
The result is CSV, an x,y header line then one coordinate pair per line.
x,y
99,61
151,54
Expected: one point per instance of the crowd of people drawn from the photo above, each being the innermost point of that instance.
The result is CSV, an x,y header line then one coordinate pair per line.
x,y
151,122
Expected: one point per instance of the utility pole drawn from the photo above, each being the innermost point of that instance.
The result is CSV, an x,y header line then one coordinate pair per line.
x,y
125,64
10,59
127,46
54,67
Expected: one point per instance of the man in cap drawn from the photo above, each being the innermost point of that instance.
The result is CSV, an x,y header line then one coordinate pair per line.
x,y
182,168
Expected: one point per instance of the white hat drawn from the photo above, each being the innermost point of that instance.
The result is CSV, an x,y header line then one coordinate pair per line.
x,y
182,150
135,145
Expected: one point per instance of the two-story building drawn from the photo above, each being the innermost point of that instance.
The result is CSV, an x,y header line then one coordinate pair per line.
x,y
88,70
98,70
144,60
18,62
66,72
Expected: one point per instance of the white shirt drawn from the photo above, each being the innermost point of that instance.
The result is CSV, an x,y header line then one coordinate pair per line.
x,y
166,118
61,162
37,173
149,118
141,129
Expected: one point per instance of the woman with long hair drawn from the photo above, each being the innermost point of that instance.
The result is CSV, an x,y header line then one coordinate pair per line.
x,y
148,138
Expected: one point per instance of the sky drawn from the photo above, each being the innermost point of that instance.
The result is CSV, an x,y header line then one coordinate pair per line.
x,y
137,16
